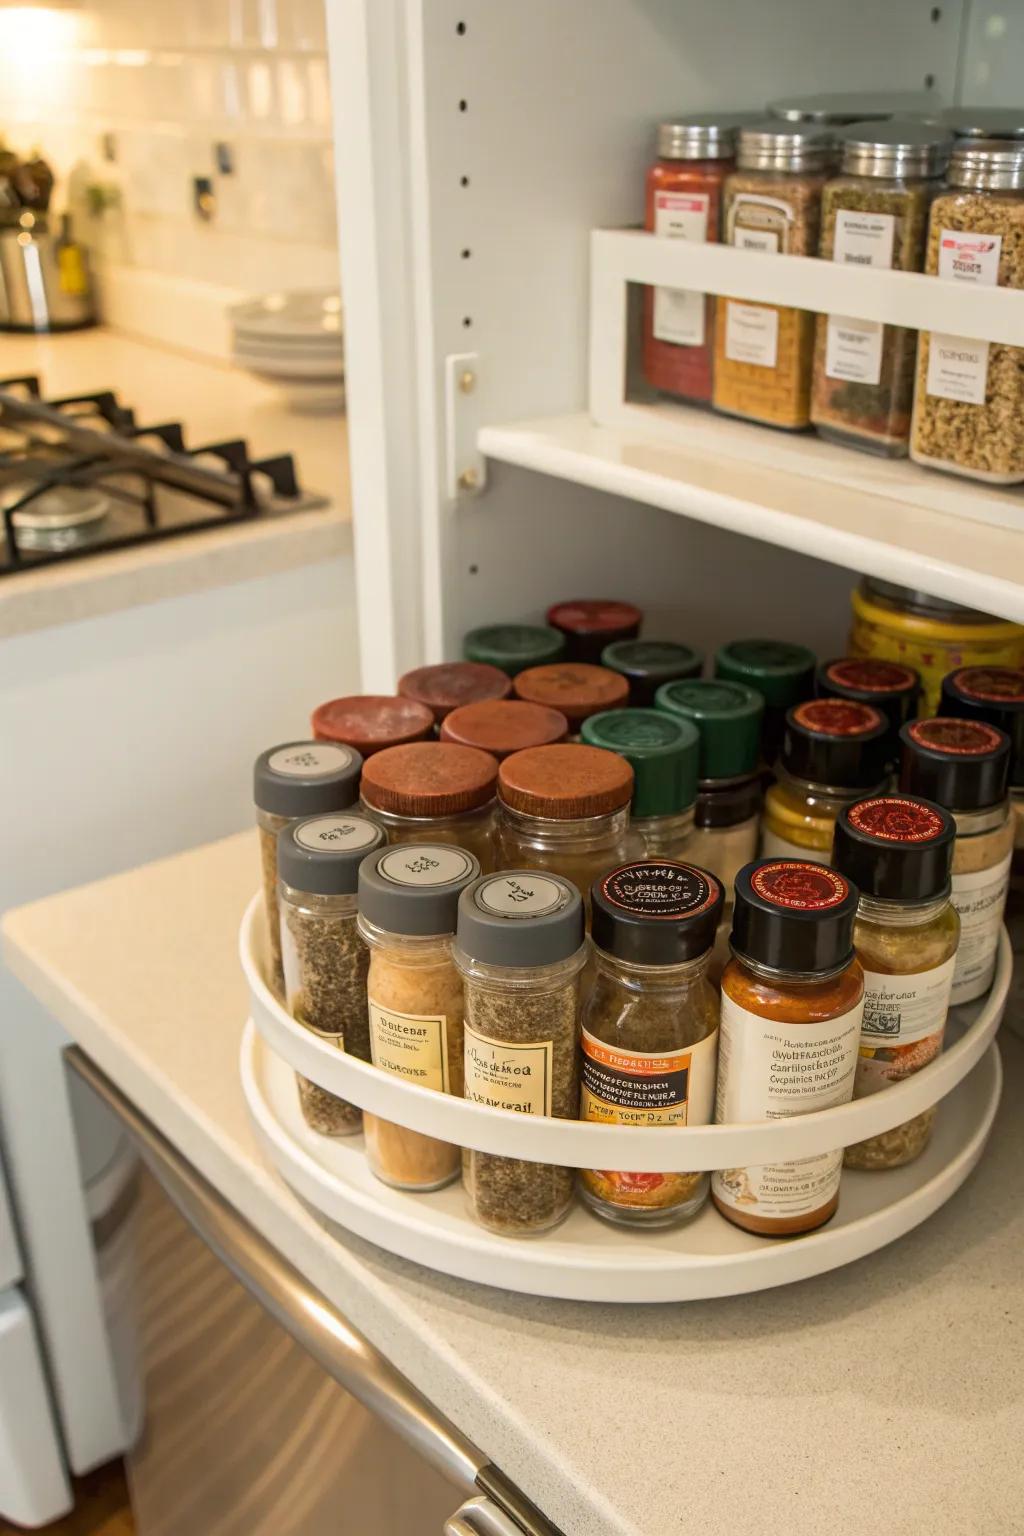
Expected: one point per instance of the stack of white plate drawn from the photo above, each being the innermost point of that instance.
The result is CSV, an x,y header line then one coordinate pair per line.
x,y
295,341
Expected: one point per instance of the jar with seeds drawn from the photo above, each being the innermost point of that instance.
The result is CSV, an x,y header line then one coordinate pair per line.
x,y
325,959
520,948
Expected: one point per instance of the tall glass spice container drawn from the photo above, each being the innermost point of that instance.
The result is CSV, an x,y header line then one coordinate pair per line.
x,y
371,722
792,1007
520,949
764,352
514,647
575,688
995,695
650,1029
290,781
449,684
662,753
589,624
325,958
780,671
834,752
433,791
647,664
408,909
898,850
504,726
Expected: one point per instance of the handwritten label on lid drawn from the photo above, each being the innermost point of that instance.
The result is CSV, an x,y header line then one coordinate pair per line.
x,y
425,864
337,834
517,896
310,760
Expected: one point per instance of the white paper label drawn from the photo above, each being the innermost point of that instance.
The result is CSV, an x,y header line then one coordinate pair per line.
x,y
863,239
507,1076
765,240
969,258
337,834
515,896
775,847
901,1009
979,898
678,312
957,369
425,864
751,334
411,1045
853,349
309,760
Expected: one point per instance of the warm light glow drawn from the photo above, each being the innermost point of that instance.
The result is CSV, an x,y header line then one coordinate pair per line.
x,y
35,45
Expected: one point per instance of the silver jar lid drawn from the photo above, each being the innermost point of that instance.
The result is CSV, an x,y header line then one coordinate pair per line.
x,y
990,165
894,148
777,146
831,107
984,122
701,135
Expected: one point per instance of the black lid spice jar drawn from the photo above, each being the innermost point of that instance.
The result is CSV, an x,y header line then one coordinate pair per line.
x,y
887,685
781,672
833,753
792,1007
590,624
662,753
650,1028
898,850
647,664
995,695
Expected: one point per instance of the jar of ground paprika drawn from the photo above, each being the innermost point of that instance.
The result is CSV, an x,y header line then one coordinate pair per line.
x,y
833,753
590,624
444,687
372,721
647,664
431,792
575,688
504,726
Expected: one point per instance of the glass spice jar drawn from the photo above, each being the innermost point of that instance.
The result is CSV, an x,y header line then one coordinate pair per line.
x,y
293,780
431,792
504,726
325,959
833,753
647,664
764,352
408,908
650,1029
874,214
792,1007
370,722
892,689
835,108
520,948
514,647
995,695
575,688
684,202
588,625
963,765
781,672
984,122
444,687
898,851
662,753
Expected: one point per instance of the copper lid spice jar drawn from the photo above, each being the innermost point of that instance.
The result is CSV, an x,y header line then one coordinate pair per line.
x,y
647,664
520,948
408,908
662,753
444,687
504,726
434,791
589,624
792,1008
575,688
650,1028
370,722
898,850
833,753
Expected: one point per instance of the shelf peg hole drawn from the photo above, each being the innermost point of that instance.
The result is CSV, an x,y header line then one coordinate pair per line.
x,y
467,321
463,181
463,105
460,27
466,253
936,13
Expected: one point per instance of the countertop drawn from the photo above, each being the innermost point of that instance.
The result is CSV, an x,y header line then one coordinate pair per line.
x,y
883,1399
214,402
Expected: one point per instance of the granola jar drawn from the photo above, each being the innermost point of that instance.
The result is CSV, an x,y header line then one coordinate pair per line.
x,y
647,664
504,726
444,687
370,722
780,671
834,752
969,395
432,792
575,688
898,851
650,1029
874,214
514,647
662,753
763,352
589,624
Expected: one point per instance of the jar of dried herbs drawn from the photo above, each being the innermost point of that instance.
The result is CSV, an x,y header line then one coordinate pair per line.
x,y
662,752
408,908
434,791
650,1029
325,959
520,948
514,647
296,779
898,851
780,671
504,726
874,214
589,624
449,684
834,752
647,664
763,352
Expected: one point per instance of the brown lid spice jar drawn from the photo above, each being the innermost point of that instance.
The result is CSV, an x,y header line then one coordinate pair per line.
x,y
504,726
576,689
434,791
372,721
589,625
446,686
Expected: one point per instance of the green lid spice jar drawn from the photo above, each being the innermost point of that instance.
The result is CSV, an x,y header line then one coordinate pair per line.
x,y
432,792
834,752
444,687
662,753
647,664
782,673
650,1028
370,722
514,647
408,908
293,780
325,959
520,948
590,624
888,686
576,689
504,726
898,850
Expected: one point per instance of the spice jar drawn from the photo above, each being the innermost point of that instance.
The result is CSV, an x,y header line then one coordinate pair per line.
x,y
962,765
444,687
874,214
833,753
370,722
565,810
589,625
898,851
792,1007
433,791
296,779
834,108
662,753
513,647
763,353
650,1029
646,664
892,689
408,907
995,695
727,814
575,688
504,726
325,959
520,948
969,395
781,672
984,122
684,202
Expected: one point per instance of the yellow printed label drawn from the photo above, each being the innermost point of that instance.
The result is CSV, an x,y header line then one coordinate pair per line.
x,y
410,1045
504,1075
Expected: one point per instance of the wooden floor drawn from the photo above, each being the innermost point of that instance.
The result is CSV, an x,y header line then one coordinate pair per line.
x,y
101,1508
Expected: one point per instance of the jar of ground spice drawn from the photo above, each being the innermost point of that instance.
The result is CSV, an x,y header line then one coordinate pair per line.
x,y
963,765
588,625
408,908
446,686
325,959
833,753
650,1028
504,726
898,850
514,647
520,948
296,779
792,1008
434,791
575,688
888,686
781,672
995,695
647,664
372,721
662,753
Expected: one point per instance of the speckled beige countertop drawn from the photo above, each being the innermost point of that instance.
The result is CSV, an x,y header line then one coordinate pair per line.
x,y
881,1400
214,402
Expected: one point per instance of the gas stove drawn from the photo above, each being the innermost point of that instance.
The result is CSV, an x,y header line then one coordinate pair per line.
x,y
80,476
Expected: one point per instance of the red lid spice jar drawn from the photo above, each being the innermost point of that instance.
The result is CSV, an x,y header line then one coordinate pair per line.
x,y
372,721
833,753
792,1012
589,625
444,687
575,688
504,726
434,792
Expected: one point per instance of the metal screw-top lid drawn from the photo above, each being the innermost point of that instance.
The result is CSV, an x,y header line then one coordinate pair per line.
x,y
849,106
701,135
895,848
414,888
988,165
322,854
781,146
837,743
513,647
961,764
656,913
728,720
995,695
521,919
781,672
794,916
301,778
894,148
661,751
984,122
646,664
